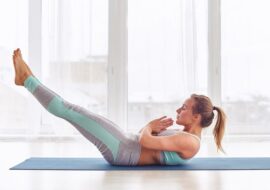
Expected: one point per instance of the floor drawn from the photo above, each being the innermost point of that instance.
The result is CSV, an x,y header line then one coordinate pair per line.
x,y
15,151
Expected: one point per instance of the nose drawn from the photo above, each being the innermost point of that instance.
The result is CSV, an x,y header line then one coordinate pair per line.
x,y
178,110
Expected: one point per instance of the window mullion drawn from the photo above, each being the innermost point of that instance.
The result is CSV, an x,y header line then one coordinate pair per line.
x,y
117,62
35,59
214,51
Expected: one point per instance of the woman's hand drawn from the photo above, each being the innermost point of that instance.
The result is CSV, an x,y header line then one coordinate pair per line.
x,y
160,124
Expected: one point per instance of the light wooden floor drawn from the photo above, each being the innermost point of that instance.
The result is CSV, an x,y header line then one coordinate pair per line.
x,y
13,152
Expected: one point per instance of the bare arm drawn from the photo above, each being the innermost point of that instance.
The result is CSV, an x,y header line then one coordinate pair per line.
x,y
176,143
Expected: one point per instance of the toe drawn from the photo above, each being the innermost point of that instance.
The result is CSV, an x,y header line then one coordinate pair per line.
x,y
19,53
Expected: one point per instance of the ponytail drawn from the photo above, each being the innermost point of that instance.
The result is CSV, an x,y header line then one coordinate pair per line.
x,y
219,129
205,108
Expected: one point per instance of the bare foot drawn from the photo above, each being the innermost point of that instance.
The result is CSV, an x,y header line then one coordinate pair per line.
x,y
22,71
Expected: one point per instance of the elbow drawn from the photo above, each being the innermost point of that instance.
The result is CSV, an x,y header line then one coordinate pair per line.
x,y
143,141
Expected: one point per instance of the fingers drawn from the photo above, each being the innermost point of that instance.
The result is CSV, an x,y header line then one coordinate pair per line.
x,y
162,118
167,122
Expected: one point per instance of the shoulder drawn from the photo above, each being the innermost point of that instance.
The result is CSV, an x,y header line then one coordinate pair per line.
x,y
181,142
192,147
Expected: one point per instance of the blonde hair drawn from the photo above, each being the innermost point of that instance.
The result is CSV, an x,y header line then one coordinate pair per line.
x,y
205,108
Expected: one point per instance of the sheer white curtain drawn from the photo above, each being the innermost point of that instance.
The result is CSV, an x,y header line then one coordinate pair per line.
x,y
75,56
167,60
13,100
245,66
167,56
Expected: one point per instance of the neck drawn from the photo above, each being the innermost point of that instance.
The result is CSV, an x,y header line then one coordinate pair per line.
x,y
196,129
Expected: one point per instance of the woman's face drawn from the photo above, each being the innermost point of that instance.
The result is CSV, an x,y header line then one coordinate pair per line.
x,y
185,116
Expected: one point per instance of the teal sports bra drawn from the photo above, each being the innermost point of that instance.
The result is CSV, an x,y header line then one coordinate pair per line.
x,y
172,158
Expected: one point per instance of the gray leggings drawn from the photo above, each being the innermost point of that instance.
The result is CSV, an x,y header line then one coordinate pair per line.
x,y
116,147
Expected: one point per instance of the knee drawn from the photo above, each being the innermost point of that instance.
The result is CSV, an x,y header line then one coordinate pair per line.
x,y
57,107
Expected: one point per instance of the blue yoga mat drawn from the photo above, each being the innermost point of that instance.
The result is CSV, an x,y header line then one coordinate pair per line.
x,y
233,163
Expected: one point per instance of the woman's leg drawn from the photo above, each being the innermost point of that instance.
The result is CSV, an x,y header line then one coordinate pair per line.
x,y
104,134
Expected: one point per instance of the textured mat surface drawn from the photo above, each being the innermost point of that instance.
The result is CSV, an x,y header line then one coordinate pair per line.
x,y
233,163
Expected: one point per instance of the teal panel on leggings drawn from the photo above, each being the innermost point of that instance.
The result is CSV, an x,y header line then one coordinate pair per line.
x,y
57,107
31,83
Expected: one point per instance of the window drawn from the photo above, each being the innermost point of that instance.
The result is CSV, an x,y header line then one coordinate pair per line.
x,y
167,44
13,100
75,56
167,57
245,66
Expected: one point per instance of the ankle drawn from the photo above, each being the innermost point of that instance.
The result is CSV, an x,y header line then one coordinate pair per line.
x,y
25,76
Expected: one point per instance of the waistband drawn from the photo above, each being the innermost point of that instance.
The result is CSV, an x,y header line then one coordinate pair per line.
x,y
137,153
129,151
161,158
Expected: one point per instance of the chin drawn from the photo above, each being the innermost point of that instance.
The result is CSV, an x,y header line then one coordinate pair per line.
x,y
179,123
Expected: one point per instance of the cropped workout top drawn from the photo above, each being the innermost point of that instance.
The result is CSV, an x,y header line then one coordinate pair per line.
x,y
172,158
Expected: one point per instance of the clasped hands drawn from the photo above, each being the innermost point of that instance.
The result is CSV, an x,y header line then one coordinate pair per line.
x,y
160,124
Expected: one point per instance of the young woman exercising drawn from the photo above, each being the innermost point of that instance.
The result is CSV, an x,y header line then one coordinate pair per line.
x,y
155,144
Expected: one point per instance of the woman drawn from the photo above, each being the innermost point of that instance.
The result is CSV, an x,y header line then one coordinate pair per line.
x,y
153,145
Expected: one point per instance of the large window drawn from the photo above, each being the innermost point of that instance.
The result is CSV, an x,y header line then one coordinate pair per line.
x,y
166,46
14,33
75,43
167,56
72,48
245,65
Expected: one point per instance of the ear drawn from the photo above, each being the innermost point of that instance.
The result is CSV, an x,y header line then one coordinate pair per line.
x,y
197,117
